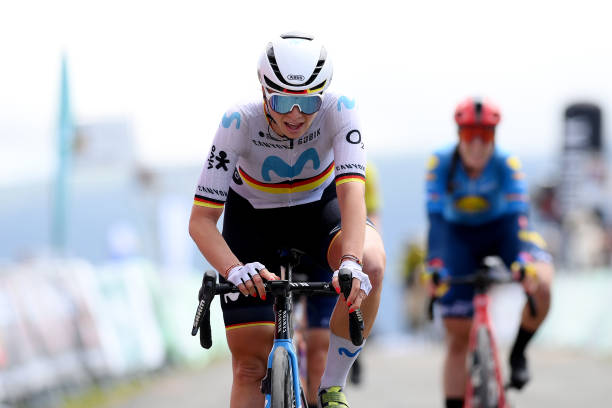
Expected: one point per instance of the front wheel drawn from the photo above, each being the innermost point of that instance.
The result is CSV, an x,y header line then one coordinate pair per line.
x,y
281,392
482,372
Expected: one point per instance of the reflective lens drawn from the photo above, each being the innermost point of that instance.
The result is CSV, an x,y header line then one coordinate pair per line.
x,y
307,104
484,133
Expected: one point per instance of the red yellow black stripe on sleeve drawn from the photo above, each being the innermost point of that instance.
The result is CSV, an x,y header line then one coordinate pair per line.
x,y
348,177
289,186
207,202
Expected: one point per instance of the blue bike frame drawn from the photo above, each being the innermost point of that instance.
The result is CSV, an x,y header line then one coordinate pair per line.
x,y
282,291
287,344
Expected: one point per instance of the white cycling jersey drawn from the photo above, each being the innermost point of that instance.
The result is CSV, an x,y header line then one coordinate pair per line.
x,y
273,171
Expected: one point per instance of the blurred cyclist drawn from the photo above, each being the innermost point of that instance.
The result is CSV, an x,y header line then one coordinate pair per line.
x,y
373,195
290,173
477,204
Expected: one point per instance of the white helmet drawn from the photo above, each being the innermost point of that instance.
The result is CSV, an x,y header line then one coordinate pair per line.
x,y
295,63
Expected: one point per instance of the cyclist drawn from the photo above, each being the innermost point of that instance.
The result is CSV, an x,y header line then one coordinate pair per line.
x,y
477,204
289,172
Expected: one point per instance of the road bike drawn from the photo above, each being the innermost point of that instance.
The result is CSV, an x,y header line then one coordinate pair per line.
x,y
281,385
485,386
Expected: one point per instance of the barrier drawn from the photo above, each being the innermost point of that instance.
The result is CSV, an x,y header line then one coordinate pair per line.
x,y
67,323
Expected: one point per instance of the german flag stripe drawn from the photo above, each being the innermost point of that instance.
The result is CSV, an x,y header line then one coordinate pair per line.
x,y
249,324
207,202
348,177
318,88
305,91
288,187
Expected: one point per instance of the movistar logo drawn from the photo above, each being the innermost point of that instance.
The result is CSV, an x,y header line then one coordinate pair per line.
x,y
345,351
348,103
227,120
282,169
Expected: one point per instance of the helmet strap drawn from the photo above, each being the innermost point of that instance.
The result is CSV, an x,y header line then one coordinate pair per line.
x,y
270,119
266,111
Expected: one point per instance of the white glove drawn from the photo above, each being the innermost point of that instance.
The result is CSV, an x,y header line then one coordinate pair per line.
x,y
241,273
357,272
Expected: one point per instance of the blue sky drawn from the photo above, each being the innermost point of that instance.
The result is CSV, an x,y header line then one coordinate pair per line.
x,y
173,68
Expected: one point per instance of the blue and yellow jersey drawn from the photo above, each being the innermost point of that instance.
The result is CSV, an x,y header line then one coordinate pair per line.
x,y
500,189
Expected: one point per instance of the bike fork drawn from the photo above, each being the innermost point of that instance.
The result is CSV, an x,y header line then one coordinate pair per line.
x,y
482,319
297,387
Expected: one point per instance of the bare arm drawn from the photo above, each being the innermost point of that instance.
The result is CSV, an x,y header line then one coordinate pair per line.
x,y
203,230
353,215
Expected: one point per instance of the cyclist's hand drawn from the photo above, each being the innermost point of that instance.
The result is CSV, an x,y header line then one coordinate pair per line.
x,y
361,284
433,277
249,278
525,271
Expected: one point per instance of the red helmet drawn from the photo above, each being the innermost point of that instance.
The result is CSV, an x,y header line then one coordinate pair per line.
x,y
476,111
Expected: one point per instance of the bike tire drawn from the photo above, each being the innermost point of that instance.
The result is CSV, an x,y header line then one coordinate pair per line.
x,y
281,392
482,372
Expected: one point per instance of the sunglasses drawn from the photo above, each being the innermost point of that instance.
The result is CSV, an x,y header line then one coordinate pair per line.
x,y
469,133
307,104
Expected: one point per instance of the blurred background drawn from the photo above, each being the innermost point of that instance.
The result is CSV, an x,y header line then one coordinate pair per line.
x,y
107,111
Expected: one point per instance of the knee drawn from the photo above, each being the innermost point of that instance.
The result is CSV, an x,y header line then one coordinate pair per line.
x,y
249,369
457,341
317,340
544,289
457,345
374,266
543,293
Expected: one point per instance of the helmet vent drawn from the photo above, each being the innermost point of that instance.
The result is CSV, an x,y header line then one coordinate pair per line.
x,y
279,75
478,110
297,34
274,64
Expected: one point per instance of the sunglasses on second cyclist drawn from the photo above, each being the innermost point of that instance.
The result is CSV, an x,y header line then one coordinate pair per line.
x,y
282,103
469,133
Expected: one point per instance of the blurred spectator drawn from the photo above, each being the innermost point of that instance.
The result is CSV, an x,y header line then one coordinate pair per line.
x,y
415,294
373,196
586,239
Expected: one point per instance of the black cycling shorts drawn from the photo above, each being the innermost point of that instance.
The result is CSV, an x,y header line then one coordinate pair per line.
x,y
257,235
465,246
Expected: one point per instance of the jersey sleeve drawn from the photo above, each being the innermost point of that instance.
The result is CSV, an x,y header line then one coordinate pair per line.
x,y
436,236
435,184
514,187
228,145
348,145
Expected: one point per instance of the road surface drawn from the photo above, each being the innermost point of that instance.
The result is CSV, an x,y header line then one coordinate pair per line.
x,y
402,373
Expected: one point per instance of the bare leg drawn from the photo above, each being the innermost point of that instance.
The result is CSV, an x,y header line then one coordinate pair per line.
x,y
249,363
457,341
374,259
519,370
541,296
318,343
